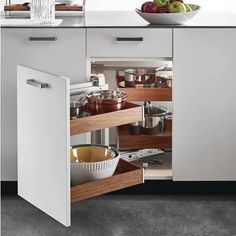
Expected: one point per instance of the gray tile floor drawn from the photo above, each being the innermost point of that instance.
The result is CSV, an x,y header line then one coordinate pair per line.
x,y
118,215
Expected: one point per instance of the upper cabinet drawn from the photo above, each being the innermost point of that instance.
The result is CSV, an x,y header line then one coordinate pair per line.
x,y
204,128
120,42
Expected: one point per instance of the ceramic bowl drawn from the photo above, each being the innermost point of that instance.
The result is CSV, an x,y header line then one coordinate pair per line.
x,y
169,18
92,162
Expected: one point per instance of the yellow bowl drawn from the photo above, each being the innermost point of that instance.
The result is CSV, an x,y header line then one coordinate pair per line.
x,y
91,153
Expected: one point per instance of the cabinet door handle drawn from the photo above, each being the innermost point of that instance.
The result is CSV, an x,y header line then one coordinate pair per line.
x,y
42,38
37,83
130,39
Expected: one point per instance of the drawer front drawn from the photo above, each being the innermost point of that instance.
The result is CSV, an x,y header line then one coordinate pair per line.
x,y
58,51
129,42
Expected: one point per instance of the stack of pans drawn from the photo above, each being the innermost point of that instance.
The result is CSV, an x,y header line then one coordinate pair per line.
x,y
97,102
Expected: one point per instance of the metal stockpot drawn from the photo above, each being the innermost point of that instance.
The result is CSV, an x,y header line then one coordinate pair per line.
x,y
155,119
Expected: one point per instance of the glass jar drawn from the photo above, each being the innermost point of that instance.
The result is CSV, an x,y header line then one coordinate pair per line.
x,y
42,11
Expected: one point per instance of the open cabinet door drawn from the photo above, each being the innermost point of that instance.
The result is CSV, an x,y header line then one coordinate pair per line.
x,y
43,142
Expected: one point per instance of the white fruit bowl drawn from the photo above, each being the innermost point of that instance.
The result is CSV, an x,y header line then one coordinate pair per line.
x,y
169,18
96,162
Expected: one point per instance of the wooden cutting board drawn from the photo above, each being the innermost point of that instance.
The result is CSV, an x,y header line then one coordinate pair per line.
x,y
62,7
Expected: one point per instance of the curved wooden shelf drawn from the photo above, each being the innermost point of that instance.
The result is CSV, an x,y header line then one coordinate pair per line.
x,y
126,175
140,141
131,113
145,94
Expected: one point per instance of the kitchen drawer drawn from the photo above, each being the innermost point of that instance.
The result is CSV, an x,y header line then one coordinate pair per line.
x,y
44,126
58,51
129,42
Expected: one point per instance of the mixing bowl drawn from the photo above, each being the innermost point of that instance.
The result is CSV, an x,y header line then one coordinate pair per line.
x,y
92,162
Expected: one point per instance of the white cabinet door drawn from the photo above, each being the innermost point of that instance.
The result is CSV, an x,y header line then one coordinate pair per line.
x,y
44,142
58,51
204,95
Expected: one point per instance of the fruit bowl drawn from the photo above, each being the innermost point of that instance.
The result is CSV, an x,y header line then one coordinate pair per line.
x,y
169,18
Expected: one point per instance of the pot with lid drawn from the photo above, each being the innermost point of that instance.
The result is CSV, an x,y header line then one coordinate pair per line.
x,y
155,119
106,101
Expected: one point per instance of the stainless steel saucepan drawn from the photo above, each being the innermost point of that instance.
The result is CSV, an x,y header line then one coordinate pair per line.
x,y
155,119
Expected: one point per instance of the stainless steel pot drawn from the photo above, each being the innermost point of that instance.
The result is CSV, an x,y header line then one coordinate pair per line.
x,y
77,106
141,76
106,101
155,119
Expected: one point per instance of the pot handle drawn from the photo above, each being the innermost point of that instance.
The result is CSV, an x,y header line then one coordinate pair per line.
x,y
161,67
169,116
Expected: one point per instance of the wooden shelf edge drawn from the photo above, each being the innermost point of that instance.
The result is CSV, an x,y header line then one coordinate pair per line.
x,y
133,176
145,94
20,7
132,113
141,141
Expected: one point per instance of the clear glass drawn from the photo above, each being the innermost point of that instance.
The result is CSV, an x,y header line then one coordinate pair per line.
x,y
42,11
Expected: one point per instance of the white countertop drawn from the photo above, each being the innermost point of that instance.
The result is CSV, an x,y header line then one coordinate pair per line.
x,y
127,19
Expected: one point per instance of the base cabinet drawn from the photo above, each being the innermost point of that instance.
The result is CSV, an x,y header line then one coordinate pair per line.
x,y
204,127
59,51
204,111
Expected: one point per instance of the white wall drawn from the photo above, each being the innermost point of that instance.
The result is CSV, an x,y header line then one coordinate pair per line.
x,y
209,5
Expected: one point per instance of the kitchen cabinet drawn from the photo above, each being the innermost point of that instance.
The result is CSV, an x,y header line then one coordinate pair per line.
x,y
122,42
204,89
59,51
201,134
44,131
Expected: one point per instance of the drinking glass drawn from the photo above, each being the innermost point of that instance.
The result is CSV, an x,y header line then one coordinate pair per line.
x,y
42,11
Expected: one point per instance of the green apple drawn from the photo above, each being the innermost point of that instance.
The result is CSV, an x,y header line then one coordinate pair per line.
x,y
177,7
188,8
161,3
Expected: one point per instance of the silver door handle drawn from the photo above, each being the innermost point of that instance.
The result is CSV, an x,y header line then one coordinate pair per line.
x,y
36,83
130,39
42,38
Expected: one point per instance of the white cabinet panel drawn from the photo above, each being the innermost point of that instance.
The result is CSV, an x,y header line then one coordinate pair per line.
x,y
63,56
204,95
44,142
120,42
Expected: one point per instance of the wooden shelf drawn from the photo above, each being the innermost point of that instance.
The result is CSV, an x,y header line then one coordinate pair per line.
x,y
145,94
131,113
126,175
140,141
62,7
